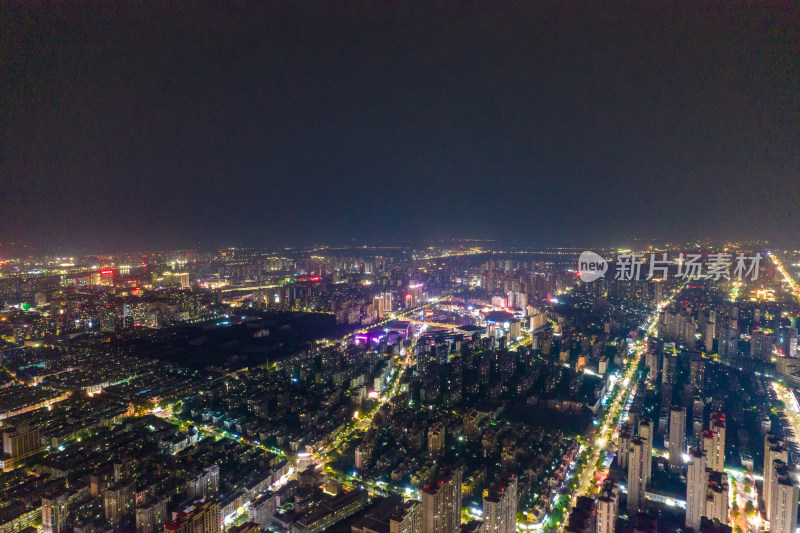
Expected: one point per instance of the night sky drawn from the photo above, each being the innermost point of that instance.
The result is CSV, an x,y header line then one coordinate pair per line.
x,y
154,125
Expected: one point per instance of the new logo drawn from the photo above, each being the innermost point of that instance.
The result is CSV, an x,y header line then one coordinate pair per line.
x,y
591,266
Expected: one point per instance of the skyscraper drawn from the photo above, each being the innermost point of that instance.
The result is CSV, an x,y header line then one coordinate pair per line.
x,y
668,373
441,503
607,507
698,407
716,496
625,436
784,495
677,437
774,450
706,492
646,431
697,373
639,458
714,442
696,483
500,506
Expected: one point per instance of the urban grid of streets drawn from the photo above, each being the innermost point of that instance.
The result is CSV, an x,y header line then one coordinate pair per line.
x,y
601,440
343,433
602,434
611,422
623,397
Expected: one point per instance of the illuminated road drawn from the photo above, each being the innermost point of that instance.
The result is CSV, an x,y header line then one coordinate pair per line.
x,y
609,426
365,419
742,489
786,277
736,287
792,410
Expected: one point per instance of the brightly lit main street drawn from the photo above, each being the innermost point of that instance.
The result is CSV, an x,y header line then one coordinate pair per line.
x,y
597,440
787,279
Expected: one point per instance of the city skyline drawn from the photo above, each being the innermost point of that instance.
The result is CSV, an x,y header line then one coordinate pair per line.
x,y
399,267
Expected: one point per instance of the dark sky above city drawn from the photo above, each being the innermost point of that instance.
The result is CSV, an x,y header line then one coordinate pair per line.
x,y
185,124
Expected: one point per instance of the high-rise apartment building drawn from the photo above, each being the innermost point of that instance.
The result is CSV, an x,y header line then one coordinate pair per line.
x,y
607,507
639,459
697,373
436,435
205,483
784,495
677,437
624,441
500,506
716,496
774,450
696,488
698,408
118,501
441,503
714,442
646,431
706,492
668,375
